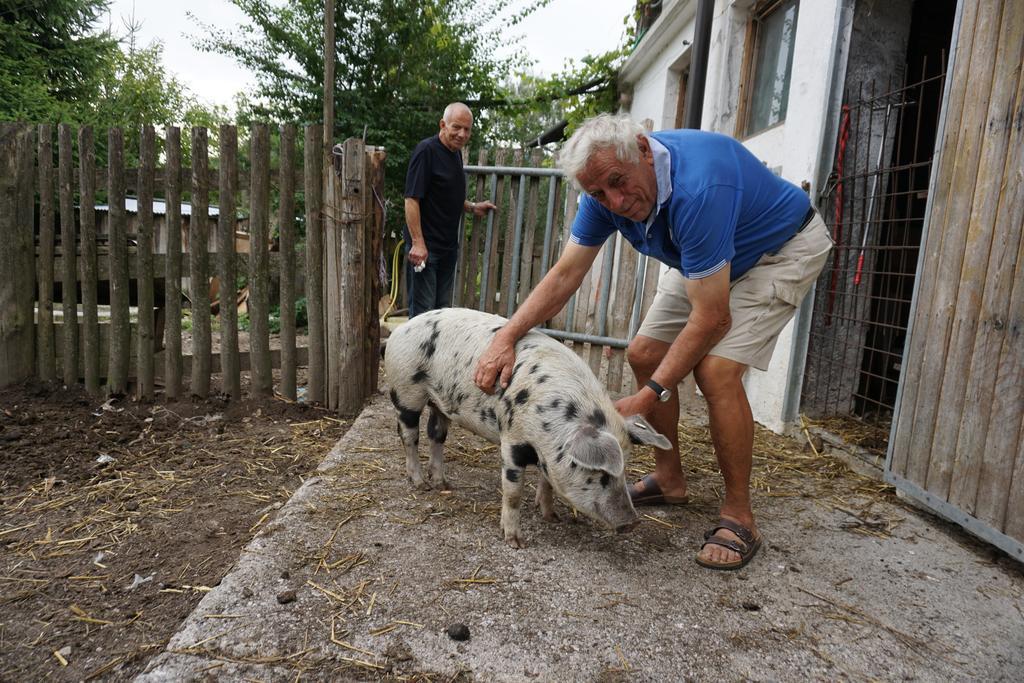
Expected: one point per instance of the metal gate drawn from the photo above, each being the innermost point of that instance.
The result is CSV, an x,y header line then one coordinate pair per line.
x,y
874,203
504,256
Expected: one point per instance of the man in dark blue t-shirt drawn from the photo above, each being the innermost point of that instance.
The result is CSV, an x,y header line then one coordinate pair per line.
x,y
743,248
435,198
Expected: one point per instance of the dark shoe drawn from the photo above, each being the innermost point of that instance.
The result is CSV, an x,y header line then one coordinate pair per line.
x,y
653,495
747,549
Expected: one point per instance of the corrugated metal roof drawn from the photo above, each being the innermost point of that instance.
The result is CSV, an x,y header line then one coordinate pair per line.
x,y
131,205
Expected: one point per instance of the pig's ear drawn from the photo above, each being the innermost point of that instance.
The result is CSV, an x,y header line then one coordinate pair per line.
x,y
641,432
596,450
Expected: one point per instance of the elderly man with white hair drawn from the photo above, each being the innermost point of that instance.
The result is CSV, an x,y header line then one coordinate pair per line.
x,y
435,198
743,245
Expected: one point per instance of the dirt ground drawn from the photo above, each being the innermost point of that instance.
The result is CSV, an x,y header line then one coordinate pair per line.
x,y
116,518
224,542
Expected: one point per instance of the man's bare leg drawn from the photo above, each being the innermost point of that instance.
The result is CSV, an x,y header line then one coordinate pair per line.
x,y
732,433
645,354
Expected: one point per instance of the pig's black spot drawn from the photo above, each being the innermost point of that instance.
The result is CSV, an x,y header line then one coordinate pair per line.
x,y
512,475
544,467
572,464
420,375
491,415
523,454
555,403
560,455
571,411
605,478
437,427
410,418
522,396
483,416
534,367
546,426
429,347
540,408
598,419
494,330
542,379
590,480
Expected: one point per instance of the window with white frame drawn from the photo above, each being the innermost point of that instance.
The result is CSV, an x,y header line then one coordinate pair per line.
x,y
769,64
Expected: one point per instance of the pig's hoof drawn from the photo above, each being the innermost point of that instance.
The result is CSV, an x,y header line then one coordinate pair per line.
x,y
551,516
514,541
442,485
420,485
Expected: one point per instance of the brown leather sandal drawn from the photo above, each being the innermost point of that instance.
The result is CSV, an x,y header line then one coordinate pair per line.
x,y
749,547
653,495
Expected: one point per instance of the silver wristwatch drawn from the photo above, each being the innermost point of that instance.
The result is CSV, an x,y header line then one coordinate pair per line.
x,y
663,393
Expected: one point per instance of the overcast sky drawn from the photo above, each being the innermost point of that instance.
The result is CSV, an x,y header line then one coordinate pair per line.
x,y
565,29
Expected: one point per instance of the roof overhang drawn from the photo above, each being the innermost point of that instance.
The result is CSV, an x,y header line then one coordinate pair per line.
x,y
667,29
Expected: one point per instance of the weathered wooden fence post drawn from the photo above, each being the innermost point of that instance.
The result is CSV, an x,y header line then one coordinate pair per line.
x,y
313,170
259,267
90,260
198,266
375,245
46,361
144,256
172,274
69,258
346,249
231,380
119,355
286,223
17,254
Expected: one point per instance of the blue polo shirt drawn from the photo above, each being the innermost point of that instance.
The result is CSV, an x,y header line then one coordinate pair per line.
x,y
717,204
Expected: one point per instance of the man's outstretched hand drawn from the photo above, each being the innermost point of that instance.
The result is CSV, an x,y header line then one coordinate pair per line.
x,y
495,364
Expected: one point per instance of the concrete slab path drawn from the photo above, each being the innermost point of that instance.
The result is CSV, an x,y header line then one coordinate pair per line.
x,y
358,577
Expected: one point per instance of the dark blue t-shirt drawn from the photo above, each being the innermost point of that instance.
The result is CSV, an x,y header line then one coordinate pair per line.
x,y
436,179
725,206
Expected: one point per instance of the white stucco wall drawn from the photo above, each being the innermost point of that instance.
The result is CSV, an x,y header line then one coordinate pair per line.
x,y
793,148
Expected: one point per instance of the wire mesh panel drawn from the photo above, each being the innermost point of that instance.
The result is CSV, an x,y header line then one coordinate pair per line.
x,y
874,204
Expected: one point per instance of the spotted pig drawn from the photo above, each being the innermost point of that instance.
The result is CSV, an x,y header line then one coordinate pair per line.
x,y
554,414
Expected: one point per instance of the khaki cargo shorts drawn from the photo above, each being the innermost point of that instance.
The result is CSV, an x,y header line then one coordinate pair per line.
x,y
761,302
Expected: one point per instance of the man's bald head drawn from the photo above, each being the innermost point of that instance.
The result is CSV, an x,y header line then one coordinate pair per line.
x,y
456,109
456,126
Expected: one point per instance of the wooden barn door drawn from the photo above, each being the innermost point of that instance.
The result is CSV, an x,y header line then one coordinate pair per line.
x,y
956,437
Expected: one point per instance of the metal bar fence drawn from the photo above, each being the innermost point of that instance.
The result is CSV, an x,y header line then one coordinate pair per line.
x,y
874,204
533,237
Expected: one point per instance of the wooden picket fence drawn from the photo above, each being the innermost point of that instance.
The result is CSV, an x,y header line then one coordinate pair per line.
x,y
343,244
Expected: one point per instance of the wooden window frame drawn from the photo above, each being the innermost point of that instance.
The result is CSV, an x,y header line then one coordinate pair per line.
x,y
758,12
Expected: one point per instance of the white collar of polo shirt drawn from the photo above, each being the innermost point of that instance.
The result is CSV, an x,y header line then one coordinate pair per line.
x,y
663,176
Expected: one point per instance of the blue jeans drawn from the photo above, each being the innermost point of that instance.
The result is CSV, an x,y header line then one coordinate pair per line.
x,y
432,287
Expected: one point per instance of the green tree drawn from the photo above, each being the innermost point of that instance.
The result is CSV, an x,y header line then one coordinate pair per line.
x,y
52,59
532,105
398,63
137,89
